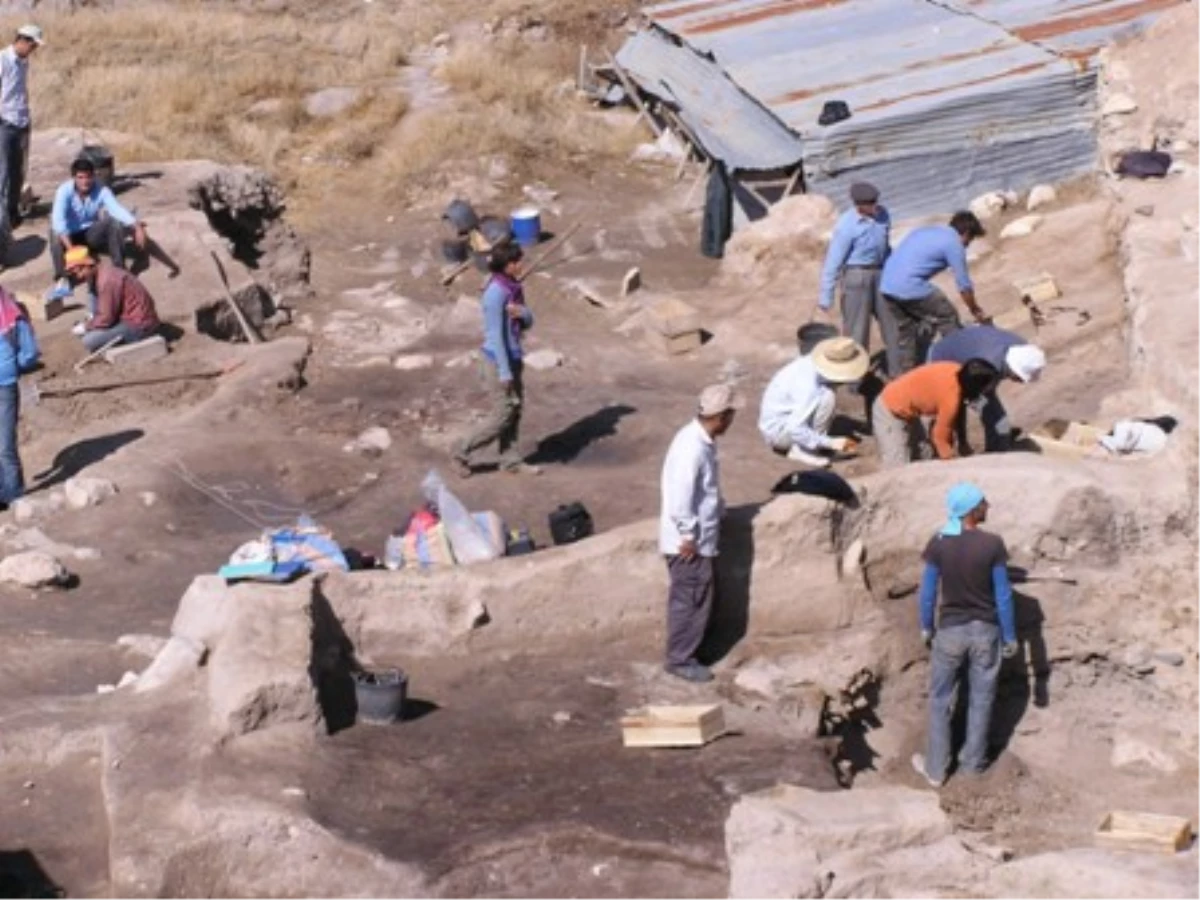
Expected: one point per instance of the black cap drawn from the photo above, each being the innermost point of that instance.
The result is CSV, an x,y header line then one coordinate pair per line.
x,y
864,192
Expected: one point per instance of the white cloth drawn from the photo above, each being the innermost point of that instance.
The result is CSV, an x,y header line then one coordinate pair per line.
x,y
1134,437
788,415
691,493
14,97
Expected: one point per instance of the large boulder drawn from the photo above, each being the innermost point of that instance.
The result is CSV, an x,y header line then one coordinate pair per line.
x,y
33,569
1087,872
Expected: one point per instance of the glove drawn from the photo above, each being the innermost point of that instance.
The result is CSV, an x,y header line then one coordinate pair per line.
x,y
1009,650
927,637
843,444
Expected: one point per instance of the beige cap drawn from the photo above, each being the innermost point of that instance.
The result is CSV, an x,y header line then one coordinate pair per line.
x,y
717,398
840,359
33,33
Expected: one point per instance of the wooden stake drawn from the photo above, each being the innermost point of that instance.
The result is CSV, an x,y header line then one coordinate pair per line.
x,y
72,390
252,336
557,243
632,92
96,354
450,276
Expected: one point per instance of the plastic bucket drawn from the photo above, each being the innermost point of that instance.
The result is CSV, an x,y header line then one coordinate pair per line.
x,y
380,695
813,333
527,226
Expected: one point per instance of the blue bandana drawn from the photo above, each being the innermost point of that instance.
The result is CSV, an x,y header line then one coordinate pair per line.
x,y
963,498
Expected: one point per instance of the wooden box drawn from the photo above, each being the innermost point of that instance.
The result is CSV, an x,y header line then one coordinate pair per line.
x,y
1144,831
673,726
671,317
39,308
1039,289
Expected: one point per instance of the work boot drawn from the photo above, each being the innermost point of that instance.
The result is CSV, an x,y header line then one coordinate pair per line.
x,y
918,764
693,672
796,454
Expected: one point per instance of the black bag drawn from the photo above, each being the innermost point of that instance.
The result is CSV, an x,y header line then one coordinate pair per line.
x,y
1144,164
571,523
832,112
717,224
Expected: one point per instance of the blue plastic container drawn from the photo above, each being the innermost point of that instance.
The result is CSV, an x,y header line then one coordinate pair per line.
x,y
527,226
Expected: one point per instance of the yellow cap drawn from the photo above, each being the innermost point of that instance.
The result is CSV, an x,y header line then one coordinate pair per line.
x,y
77,256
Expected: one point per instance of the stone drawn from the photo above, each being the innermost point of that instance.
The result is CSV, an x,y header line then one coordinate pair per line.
x,y
127,679
178,657
561,717
148,498
631,282
148,645
1021,227
1146,209
1087,872
33,569
83,491
148,350
853,557
989,205
1131,750
26,509
461,361
1170,657
371,442
266,108
412,362
441,40
543,359
331,101
1041,195
1118,105
1138,660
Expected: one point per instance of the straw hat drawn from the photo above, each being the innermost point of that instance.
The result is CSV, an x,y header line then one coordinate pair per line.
x,y
840,359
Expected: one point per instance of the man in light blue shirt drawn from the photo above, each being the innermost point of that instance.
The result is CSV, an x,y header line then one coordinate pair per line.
x,y
917,305
14,118
856,255
86,213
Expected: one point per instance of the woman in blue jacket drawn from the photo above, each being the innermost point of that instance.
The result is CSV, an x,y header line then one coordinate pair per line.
x,y
18,354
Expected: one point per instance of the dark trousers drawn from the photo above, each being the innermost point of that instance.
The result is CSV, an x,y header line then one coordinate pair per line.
x,y
689,605
103,236
14,143
12,479
916,321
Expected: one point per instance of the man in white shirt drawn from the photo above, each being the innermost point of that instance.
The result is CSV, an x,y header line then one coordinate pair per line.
x,y
14,118
690,525
797,406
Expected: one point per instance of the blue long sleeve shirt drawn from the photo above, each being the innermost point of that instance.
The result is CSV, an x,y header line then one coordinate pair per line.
x,y
501,333
1000,585
72,213
18,352
985,342
920,256
857,240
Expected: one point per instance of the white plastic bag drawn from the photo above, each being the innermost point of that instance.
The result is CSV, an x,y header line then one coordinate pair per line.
x,y
468,541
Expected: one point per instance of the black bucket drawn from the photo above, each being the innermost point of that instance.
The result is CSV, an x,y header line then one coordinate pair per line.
x,y
813,333
102,158
380,695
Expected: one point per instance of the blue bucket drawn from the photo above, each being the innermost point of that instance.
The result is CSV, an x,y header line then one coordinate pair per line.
x,y
527,226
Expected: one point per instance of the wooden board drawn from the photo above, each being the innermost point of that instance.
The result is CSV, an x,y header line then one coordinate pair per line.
x,y
1040,288
1144,831
1073,442
673,726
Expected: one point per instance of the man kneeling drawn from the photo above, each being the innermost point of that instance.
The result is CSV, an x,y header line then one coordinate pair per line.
x,y
797,406
121,309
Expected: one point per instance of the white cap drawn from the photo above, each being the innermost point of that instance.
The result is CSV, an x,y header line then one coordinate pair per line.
x,y
1025,361
717,398
32,32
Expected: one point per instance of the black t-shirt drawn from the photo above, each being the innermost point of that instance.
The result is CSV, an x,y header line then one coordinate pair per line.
x,y
966,562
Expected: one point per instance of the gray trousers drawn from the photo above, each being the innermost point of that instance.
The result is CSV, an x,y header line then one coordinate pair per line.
x,y
105,235
916,321
899,441
862,299
503,420
689,605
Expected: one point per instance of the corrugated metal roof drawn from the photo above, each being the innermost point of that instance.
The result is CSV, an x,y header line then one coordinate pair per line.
x,y
947,97
729,125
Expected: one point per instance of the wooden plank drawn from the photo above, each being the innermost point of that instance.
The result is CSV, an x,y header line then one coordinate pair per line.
x,y
632,91
791,185
673,726
766,204
1073,442
1144,831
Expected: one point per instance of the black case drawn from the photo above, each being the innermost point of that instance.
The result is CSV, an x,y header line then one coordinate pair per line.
x,y
571,523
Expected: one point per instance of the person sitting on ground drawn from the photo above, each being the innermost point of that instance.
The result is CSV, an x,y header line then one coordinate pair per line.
x,y
18,355
124,311
975,615
88,214
506,318
936,390
797,406
1015,358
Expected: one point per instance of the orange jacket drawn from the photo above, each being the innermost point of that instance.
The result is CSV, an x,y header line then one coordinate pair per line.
x,y
929,390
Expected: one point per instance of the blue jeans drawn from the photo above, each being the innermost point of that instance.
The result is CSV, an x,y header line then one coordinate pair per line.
x,y
94,340
12,479
978,645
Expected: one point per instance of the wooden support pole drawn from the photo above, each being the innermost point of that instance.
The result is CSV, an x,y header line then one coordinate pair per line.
x,y
632,93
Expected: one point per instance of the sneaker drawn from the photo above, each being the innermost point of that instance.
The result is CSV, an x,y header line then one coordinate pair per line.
x,y
61,290
918,764
79,328
693,672
796,454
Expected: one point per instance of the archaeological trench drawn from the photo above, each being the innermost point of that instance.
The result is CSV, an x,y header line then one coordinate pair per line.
x,y
231,765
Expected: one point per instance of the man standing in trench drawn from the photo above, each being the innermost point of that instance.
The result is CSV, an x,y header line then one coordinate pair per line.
x,y
976,615
690,525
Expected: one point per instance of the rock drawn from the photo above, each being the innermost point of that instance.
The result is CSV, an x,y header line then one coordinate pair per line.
x,y
265,109
148,498
87,554
1146,209
543,359
371,442
1041,195
1138,660
852,559
789,841
1118,105
127,679
33,569
1086,872
631,282
413,361
989,205
1021,227
331,101
562,717
441,40
540,194
178,657
83,491
148,645
27,509
1170,657
1129,750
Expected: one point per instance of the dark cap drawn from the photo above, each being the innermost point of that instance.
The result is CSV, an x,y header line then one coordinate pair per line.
x,y
864,192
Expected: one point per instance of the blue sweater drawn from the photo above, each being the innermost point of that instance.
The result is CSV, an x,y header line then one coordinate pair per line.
x,y
502,334
18,352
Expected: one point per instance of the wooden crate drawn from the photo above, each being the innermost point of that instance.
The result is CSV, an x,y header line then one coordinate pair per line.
x,y
673,726
1039,289
1144,831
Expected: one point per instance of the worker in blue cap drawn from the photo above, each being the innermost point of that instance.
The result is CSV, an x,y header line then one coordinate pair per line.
x,y
975,629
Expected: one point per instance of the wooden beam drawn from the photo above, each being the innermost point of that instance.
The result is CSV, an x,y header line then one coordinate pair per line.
x,y
704,173
791,185
581,79
632,91
766,204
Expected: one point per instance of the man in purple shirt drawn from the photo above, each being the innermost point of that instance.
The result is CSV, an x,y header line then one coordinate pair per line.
x,y
915,302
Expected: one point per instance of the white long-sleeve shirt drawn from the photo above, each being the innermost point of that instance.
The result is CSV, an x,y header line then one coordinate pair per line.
x,y
788,404
691,493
